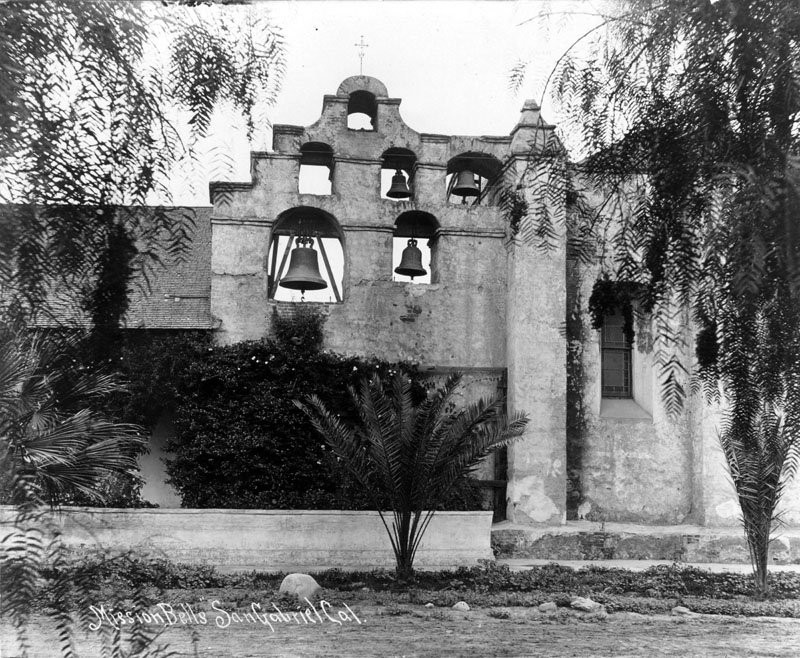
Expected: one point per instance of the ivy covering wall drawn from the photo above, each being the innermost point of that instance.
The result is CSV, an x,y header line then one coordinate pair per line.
x,y
240,441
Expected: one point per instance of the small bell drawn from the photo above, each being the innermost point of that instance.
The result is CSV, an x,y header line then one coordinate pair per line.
x,y
465,184
303,273
399,188
411,261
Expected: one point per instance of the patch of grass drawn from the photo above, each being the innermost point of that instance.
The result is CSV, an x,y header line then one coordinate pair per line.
x,y
655,590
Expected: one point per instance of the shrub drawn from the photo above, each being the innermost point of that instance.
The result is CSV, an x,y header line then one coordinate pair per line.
x,y
241,443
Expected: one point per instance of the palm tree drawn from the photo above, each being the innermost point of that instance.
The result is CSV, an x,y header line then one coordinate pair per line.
x,y
407,456
52,442
761,462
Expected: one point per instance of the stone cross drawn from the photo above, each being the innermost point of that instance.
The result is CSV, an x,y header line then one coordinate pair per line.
x,y
361,52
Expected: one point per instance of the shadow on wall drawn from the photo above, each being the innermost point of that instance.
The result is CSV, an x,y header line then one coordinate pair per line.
x,y
153,470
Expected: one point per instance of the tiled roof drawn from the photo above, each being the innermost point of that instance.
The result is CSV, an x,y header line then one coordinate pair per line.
x,y
178,297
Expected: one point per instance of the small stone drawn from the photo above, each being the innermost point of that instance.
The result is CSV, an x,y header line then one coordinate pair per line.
x,y
301,585
681,611
584,604
429,605
548,607
461,606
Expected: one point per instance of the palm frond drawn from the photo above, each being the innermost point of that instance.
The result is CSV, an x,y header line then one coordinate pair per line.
x,y
411,455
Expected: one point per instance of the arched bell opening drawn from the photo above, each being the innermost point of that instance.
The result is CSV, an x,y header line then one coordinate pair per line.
x,y
414,248
362,111
305,258
316,169
473,179
397,168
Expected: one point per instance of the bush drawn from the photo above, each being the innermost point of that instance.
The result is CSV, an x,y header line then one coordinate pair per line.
x,y
131,571
239,441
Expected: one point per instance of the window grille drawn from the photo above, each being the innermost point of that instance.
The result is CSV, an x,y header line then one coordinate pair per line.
x,y
616,358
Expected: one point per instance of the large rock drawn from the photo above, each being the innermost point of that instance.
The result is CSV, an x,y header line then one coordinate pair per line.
x,y
682,611
462,606
585,605
301,585
550,606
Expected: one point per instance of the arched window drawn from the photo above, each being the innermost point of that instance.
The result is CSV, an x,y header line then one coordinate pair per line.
x,y
472,178
305,228
395,163
415,230
316,169
362,111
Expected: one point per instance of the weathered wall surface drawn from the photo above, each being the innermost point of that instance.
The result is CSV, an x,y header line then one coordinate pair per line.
x,y
537,385
636,470
630,462
238,278
715,495
152,469
536,368
790,509
246,540
458,320
584,540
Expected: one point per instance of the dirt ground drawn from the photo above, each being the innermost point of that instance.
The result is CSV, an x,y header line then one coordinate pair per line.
x,y
411,630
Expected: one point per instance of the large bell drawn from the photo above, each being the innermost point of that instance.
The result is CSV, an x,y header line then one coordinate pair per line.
x,y
465,184
303,273
411,261
399,188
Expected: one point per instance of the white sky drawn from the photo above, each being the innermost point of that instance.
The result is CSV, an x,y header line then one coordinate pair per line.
x,y
449,62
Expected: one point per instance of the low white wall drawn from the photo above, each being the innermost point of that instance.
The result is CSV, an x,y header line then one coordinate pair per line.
x,y
271,540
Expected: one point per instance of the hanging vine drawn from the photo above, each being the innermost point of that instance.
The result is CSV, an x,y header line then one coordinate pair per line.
x,y
608,297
